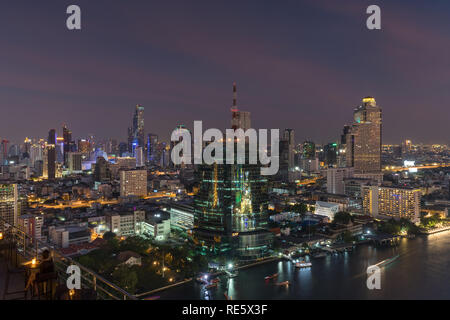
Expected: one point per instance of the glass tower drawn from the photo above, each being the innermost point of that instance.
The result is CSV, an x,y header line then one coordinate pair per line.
x,y
231,210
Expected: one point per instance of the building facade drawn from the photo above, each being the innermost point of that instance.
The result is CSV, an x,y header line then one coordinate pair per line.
x,y
391,202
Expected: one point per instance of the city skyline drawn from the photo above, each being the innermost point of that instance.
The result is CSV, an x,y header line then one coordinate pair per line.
x,y
224,150
181,72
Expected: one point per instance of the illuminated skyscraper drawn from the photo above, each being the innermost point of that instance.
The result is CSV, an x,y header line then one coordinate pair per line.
x,y
9,203
152,141
69,145
231,207
309,150
364,140
136,136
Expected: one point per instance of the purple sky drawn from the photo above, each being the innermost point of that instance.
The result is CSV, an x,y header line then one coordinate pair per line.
x,y
298,64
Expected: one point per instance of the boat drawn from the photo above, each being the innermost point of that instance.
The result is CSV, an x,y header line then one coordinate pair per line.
x,y
303,264
271,277
284,283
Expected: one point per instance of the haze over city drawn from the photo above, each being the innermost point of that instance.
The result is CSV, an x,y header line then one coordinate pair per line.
x,y
303,65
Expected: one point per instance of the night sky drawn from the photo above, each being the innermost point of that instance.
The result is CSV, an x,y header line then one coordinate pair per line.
x,y
298,64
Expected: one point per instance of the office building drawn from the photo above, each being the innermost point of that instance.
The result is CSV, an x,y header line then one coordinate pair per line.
x,y
126,224
136,136
9,203
335,179
133,183
74,160
391,202
363,143
31,224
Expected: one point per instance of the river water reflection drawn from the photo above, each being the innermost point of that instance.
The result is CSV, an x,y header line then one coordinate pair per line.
x,y
421,271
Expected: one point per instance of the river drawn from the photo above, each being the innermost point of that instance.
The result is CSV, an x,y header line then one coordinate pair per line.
x,y
421,271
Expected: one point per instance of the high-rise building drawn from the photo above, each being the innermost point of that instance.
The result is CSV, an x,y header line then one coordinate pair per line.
x,y
35,153
364,141
102,171
69,145
75,161
50,162
239,119
59,147
289,136
151,152
230,207
133,183
136,136
330,151
391,202
84,146
52,137
308,150
4,152
231,210
335,179
31,224
140,161
9,203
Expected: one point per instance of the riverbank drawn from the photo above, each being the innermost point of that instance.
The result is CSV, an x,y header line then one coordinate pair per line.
x,y
437,230
420,271
218,273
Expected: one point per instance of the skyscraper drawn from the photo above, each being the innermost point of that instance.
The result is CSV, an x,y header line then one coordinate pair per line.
x,y
51,137
239,119
50,164
231,206
69,145
308,150
289,136
9,203
364,141
136,136
152,141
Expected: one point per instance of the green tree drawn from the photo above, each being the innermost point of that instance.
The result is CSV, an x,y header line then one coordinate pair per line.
x,y
126,278
342,217
109,235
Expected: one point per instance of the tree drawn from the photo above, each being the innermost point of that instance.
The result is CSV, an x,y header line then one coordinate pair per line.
x,y
109,235
342,217
299,208
126,278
